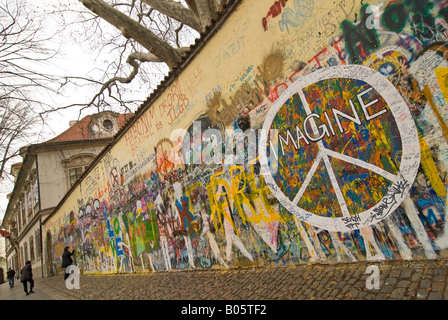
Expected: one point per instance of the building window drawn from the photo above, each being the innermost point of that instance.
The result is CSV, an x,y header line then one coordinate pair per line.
x,y
29,203
22,257
75,166
22,208
74,175
38,244
31,248
35,193
19,218
25,249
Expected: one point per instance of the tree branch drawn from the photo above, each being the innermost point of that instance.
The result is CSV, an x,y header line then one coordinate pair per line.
x,y
206,11
176,11
132,29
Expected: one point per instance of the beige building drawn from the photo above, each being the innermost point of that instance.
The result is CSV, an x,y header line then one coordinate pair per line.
x,y
3,268
41,180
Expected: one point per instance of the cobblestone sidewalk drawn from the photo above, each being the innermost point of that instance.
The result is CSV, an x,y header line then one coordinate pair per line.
x,y
399,280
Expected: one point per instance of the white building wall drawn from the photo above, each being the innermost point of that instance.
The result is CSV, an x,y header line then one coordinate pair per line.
x,y
36,261
53,176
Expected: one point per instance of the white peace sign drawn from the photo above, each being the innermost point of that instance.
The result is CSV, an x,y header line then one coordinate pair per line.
x,y
401,182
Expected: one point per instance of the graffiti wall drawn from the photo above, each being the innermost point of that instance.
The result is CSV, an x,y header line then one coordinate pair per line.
x,y
304,131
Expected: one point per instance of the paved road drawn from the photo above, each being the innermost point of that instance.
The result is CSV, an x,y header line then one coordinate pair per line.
x,y
399,280
42,291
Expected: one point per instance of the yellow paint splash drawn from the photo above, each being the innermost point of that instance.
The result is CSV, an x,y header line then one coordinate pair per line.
x,y
442,78
428,95
430,169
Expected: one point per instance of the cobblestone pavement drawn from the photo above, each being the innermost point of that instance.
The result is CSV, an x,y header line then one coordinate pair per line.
x,y
399,280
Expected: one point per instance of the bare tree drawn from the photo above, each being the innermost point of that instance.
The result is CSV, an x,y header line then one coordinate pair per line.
x,y
23,57
18,125
133,25
151,32
24,81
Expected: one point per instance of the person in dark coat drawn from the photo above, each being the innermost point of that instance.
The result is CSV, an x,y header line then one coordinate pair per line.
x,y
67,260
27,276
10,275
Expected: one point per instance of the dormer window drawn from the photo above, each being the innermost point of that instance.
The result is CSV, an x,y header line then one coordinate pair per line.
x,y
108,124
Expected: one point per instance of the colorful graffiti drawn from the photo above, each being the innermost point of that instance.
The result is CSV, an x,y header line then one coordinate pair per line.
x,y
357,164
362,156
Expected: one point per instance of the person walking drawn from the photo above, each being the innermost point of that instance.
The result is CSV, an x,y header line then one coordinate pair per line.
x,y
67,261
27,276
10,275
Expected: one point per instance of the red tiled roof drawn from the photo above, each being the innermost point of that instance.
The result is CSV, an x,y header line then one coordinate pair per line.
x,y
80,131
123,118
